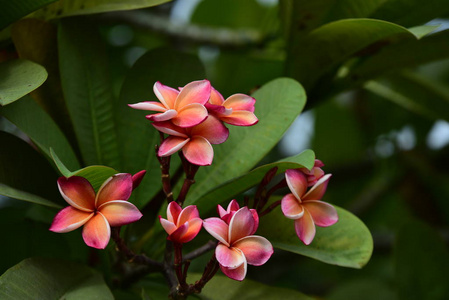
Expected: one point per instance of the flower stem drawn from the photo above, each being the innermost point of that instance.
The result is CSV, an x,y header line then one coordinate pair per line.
x,y
190,171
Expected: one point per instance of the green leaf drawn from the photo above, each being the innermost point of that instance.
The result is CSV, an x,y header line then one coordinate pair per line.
x,y
278,103
24,196
415,93
421,276
136,135
223,288
423,30
29,117
14,10
19,77
96,175
64,8
236,186
52,279
324,48
88,92
348,243
370,289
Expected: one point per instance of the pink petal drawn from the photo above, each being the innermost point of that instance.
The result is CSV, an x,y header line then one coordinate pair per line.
x,y
323,214
217,109
171,145
137,178
229,257
240,102
198,151
212,129
69,219
119,212
305,228
240,118
221,211
297,182
217,228
241,224
237,273
233,206
215,97
168,226
291,207
188,213
165,116
194,92
149,105
190,115
318,190
169,128
256,220
96,232
256,249
193,228
178,235
173,211
165,94
78,192
116,187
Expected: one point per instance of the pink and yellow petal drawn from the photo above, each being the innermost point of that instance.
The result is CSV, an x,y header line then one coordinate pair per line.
x,y
120,212
194,92
240,102
170,129
305,228
291,207
97,232
215,97
240,118
69,219
116,187
161,117
241,224
323,214
318,190
229,257
165,94
297,182
190,115
193,228
256,220
178,235
237,274
168,226
198,151
77,192
149,105
211,129
171,145
256,249
188,213
173,211
217,228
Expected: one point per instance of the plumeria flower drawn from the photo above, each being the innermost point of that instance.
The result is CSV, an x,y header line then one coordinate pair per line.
x,y
237,110
305,206
181,225
195,142
315,173
233,207
184,108
237,245
97,213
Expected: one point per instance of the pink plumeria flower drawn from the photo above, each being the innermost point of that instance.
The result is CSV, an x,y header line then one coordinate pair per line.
x,y
315,173
181,225
184,109
237,245
305,206
237,110
233,207
97,213
195,142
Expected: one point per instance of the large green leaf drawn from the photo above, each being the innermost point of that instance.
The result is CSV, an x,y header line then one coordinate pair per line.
x,y
87,90
137,137
415,93
96,175
29,117
64,8
14,10
347,243
24,196
278,103
421,258
236,186
324,48
39,278
19,77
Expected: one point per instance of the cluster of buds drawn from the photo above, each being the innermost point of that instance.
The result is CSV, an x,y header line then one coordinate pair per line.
x,y
193,118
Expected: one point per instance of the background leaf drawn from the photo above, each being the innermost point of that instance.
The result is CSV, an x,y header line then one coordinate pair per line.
x,y
348,243
19,77
24,196
50,279
14,10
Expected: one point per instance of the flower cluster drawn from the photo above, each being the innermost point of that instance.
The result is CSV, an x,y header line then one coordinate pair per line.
x,y
193,118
